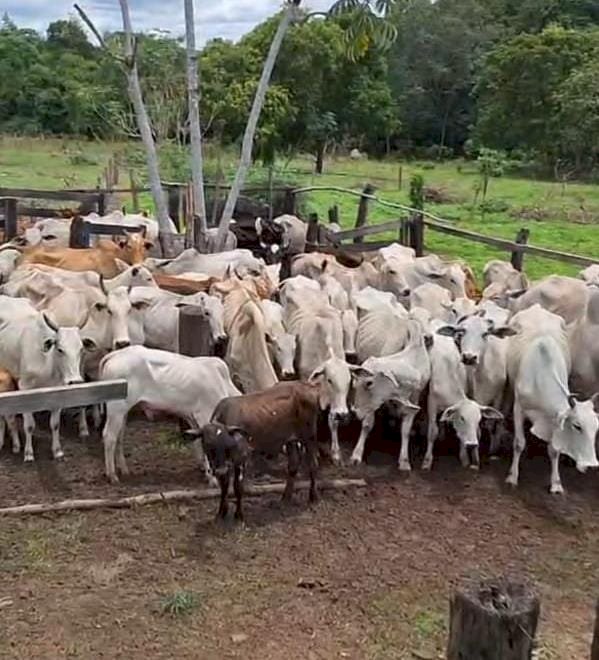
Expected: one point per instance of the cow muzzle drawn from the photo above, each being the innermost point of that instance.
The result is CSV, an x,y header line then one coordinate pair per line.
x,y
287,375
76,381
220,346
342,417
469,360
121,344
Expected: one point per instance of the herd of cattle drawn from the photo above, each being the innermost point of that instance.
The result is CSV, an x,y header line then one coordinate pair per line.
x,y
412,335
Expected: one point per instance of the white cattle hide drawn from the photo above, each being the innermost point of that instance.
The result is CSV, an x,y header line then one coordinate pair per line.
x,y
187,387
218,264
282,344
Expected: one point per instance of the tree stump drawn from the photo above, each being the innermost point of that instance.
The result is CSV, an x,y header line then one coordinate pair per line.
x,y
595,647
493,620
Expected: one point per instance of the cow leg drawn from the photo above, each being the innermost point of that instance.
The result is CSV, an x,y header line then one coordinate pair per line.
x,y
97,415
519,444
13,427
335,450
57,451
115,422
404,452
293,464
556,482
28,427
202,459
121,463
238,488
312,457
358,453
431,435
83,427
223,481
475,465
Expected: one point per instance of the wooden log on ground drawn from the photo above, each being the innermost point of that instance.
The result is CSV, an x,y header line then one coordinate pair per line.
x,y
493,620
595,646
170,496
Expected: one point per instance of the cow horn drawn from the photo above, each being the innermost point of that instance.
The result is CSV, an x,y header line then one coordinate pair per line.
x,y
572,400
50,323
85,320
103,285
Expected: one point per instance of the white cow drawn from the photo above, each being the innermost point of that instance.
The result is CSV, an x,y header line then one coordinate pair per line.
x,y
435,299
447,395
39,354
8,263
500,277
398,379
583,340
117,217
282,344
565,296
590,275
160,316
215,265
382,324
538,367
247,351
184,386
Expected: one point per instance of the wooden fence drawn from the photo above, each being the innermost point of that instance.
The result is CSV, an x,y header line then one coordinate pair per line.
x,y
410,230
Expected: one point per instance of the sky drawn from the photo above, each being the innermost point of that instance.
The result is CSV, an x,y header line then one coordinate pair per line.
x,y
228,19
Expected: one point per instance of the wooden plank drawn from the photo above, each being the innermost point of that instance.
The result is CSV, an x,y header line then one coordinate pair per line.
x,y
362,217
392,225
510,246
96,228
365,247
68,396
62,195
42,212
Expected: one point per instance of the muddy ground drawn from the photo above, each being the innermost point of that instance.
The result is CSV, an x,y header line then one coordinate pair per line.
x,y
363,574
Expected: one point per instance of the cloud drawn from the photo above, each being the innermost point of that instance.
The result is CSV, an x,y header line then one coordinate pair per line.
x,y
228,19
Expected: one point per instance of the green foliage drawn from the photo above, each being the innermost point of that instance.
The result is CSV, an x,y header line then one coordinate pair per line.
x,y
490,163
180,603
417,191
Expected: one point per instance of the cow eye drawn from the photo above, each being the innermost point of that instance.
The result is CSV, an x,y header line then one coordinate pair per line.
x,y
60,350
577,427
100,306
369,384
48,345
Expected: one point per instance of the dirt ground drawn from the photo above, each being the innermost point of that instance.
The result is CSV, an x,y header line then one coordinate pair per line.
x,y
365,573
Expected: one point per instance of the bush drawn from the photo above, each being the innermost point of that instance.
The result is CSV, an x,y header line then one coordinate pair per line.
x,y
494,206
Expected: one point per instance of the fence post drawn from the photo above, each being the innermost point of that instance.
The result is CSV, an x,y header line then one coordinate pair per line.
x,y
101,204
198,243
518,257
595,646
290,203
493,620
362,217
312,233
334,214
173,205
78,233
400,177
134,197
403,229
195,337
10,218
417,234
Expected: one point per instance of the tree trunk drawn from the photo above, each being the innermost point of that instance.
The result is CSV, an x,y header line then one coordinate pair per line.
x,y
320,159
197,164
245,159
143,123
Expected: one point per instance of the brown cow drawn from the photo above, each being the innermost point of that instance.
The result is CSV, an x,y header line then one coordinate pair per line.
x,y
281,418
102,259
7,384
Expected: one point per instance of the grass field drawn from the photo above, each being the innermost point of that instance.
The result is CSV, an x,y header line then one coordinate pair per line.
x,y
561,217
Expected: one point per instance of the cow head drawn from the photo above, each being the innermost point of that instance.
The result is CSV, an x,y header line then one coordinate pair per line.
x,y
65,346
210,310
282,348
465,417
576,430
372,389
471,336
334,380
393,279
134,246
223,446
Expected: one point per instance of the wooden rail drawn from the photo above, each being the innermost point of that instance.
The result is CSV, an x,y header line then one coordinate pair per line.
x,y
68,396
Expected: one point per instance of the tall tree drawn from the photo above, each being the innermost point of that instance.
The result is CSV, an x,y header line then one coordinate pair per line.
x,y
290,13
143,123
197,166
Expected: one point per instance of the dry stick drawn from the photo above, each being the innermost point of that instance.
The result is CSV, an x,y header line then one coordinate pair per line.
x,y
170,496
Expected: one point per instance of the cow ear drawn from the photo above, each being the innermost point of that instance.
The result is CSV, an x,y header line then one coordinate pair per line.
x,y
89,344
515,293
488,412
191,435
448,414
502,332
448,331
258,226
316,374
360,372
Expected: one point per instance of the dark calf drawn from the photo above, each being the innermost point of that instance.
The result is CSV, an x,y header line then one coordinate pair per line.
x,y
227,450
280,419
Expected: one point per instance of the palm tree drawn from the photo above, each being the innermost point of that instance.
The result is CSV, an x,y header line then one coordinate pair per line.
x,y
369,25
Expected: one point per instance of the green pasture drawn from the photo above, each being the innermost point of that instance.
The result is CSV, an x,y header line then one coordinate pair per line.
x,y
559,216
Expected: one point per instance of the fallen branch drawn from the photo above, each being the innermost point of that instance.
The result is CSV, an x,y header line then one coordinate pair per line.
x,y
169,496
